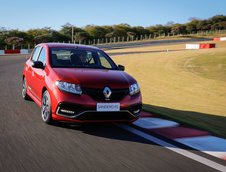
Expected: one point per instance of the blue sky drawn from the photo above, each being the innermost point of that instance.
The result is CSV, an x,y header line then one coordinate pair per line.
x,y
28,14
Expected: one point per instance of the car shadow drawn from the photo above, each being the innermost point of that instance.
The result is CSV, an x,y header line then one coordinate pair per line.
x,y
105,130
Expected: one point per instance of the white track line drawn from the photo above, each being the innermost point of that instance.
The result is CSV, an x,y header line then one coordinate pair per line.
x,y
173,148
212,145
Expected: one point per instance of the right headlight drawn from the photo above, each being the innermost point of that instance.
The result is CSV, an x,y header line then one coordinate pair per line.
x,y
69,87
133,89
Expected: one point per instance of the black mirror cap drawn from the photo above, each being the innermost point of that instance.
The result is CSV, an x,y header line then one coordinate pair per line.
x,y
121,67
38,64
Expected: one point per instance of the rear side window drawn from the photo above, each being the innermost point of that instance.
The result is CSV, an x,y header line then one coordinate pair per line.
x,y
42,56
35,53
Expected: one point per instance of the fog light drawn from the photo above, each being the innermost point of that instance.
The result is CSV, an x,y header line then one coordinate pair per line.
x,y
67,111
136,111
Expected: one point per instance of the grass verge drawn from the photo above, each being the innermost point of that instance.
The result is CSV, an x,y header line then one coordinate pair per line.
x,y
188,86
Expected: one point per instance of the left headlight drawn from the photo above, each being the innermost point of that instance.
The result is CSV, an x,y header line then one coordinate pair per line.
x,y
69,87
133,89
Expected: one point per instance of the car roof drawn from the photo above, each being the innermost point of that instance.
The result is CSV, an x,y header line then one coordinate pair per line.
x,y
68,45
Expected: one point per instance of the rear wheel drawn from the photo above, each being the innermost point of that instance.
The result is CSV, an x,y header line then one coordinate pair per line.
x,y
46,110
24,90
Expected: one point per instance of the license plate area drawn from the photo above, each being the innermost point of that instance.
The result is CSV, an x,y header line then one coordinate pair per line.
x,y
108,107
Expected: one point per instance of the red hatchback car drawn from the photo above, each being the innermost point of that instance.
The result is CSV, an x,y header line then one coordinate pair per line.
x,y
79,83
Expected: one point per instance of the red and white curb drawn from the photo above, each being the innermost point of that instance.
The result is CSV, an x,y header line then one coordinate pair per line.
x,y
150,123
194,138
199,46
220,39
21,51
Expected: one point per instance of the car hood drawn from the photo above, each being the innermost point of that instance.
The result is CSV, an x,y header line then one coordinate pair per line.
x,y
95,78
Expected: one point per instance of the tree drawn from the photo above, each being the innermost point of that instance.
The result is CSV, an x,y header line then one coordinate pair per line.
x,y
203,25
43,38
19,34
191,27
110,35
131,35
159,29
217,19
41,31
121,30
80,36
178,29
152,29
14,41
219,26
66,30
222,24
46,34
96,31
58,37
139,30
108,29
3,36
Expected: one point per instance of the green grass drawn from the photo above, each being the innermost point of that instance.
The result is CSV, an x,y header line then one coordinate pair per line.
x,y
212,123
188,86
212,66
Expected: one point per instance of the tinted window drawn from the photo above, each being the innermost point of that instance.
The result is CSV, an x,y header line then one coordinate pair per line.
x,y
80,58
42,56
104,61
35,53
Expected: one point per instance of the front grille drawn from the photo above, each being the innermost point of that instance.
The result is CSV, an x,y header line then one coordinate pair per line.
x,y
97,94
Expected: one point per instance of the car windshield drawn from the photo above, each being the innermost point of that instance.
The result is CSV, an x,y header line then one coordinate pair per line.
x,y
80,58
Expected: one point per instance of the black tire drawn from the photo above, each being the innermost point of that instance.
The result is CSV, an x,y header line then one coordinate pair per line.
x,y
24,90
46,110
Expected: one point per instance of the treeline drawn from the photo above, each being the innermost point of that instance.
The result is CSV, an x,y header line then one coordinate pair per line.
x,y
102,34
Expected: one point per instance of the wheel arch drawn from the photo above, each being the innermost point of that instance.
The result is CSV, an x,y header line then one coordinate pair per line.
x,y
43,90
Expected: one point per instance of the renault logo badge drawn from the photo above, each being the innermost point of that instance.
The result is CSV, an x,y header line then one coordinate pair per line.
x,y
107,93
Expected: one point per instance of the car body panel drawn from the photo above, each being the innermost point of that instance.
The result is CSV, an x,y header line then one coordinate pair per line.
x,y
95,78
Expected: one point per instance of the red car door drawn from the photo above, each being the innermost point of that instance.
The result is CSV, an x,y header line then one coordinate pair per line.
x,y
30,70
39,75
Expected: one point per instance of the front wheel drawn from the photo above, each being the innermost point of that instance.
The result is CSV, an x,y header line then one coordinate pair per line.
x,y
46,110
24,90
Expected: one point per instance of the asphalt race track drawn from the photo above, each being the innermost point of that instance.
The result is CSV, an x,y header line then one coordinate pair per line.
x,y
27,144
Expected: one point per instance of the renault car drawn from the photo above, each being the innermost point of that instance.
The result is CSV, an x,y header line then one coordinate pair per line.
x,y
79,83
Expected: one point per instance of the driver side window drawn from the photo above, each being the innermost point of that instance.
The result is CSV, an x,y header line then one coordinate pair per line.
x,y
35,53
42,56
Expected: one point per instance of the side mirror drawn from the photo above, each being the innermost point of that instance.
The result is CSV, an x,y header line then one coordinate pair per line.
x,y
38,64
121,67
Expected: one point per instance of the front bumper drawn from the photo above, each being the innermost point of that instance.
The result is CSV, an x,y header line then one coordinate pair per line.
x,y
82,108
77,113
